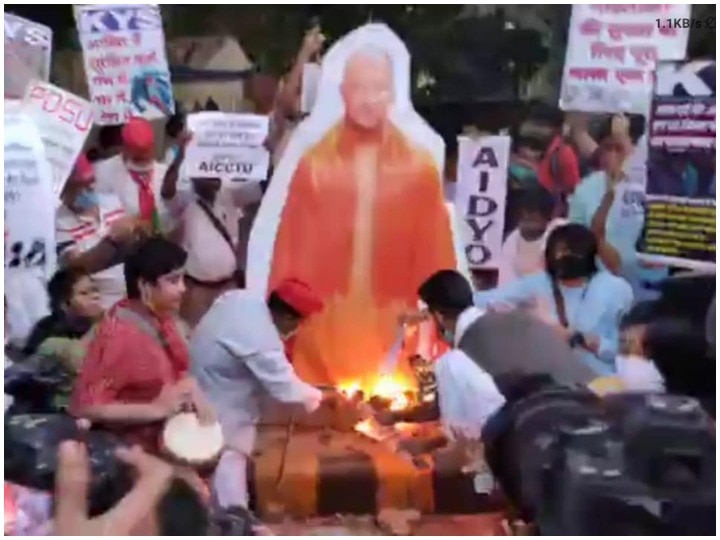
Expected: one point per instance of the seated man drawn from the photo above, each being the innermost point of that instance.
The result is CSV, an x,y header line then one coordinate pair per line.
x,y
237,355
135,373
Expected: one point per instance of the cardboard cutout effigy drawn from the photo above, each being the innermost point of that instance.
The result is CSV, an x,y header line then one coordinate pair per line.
x,y
355,208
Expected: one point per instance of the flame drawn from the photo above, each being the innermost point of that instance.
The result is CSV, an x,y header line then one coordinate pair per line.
x,y
365,427
391,387
394,389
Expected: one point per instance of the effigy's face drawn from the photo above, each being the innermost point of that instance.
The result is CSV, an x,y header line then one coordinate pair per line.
x,y
367,90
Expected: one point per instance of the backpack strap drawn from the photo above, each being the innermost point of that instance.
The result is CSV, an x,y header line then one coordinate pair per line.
x,y
146,327
219,226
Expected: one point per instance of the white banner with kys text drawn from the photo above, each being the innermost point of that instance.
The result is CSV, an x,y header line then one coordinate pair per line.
x,y
480,197
125,62
227,146
64,121
612,51
28,53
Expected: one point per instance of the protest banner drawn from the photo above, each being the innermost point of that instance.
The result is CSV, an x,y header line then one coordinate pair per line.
x,y
29,199
480,196
228,146
64,122
125,62
612,51
28,51
680,190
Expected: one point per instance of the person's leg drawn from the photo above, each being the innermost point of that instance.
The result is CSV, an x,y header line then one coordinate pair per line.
x,y
230,480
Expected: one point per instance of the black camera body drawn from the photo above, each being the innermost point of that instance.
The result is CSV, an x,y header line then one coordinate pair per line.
x,y
627,464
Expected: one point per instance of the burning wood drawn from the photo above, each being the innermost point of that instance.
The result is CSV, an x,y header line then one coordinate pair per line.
x,y
388,392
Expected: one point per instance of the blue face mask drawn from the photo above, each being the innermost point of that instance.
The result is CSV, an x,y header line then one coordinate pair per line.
x,y
448,336
87,199
522,173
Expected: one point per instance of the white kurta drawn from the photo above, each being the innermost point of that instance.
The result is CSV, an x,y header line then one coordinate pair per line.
x,y
467,394
112,176
237,357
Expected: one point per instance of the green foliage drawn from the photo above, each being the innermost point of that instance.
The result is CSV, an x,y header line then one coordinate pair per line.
x,y
464,56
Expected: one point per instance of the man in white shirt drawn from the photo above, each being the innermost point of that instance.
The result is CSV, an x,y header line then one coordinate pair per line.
x,y
467,395
237,357
523,252
136,178
208,231
93,232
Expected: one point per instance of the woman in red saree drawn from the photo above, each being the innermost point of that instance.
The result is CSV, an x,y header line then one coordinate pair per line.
x,y
135,373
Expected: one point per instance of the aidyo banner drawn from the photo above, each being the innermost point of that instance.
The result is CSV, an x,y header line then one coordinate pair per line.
x,y
227,146
64,121
480,197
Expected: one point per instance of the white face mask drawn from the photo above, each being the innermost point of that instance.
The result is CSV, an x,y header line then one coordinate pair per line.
x,y
139,167
639,374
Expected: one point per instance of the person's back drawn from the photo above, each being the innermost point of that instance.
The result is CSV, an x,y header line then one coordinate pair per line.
x,y
517,343
236,326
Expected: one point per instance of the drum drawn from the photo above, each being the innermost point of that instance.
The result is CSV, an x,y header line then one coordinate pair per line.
x,y
188,441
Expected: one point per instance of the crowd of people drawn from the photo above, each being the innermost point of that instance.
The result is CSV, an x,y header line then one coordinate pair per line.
x,y
149,313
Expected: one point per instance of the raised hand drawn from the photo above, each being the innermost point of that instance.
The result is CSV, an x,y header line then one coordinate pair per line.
x,y
72,487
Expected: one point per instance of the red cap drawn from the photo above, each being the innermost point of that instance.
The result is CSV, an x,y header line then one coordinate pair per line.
x,y
298,295
138,136
83,171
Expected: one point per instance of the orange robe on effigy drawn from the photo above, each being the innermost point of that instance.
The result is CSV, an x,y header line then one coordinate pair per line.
x,y
364,224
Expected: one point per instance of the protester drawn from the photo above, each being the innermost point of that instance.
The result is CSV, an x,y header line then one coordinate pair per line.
x,y
583,303
109,142
208,232
502,344
467,395
523,252
94,233
607,204
237,354
524,162
558,170
75,305
174,129
136,178
636,367
287,113
135,373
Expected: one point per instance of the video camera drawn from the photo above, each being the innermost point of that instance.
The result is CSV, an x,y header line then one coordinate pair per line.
x,y
575,464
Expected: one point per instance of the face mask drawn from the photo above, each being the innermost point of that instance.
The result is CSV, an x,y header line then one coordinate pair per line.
x,y
531,235
448,336
570,267
639,374
87,199
522,173
134,166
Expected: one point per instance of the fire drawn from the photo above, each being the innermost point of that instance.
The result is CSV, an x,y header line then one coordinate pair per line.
x,y
391,387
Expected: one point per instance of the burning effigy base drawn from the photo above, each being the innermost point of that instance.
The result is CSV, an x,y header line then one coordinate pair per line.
x,y
315,466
